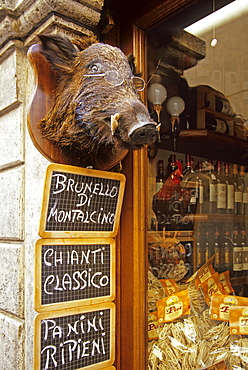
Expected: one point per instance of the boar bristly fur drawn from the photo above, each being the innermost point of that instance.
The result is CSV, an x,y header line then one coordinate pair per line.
x,y
80,119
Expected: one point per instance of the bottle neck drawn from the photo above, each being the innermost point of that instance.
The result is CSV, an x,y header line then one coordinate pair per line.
x,y
235,170
189,163
218,168
226,169
242,171
210,166
199,167
173,162
160,171
216,234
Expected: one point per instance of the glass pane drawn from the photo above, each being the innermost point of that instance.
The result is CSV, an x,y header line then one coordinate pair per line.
x,y
198,190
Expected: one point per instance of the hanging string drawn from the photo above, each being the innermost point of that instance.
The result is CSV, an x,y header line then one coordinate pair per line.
x,y
214,39
154,72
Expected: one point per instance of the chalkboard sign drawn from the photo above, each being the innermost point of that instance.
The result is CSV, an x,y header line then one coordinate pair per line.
x,y
75,339
80,202
72,272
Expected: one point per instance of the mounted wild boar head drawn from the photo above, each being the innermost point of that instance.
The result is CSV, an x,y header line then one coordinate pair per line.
x,y
97,106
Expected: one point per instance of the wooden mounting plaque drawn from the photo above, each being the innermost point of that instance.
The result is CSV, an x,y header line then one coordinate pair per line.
x,y
73,272
79,338
81,202
43,98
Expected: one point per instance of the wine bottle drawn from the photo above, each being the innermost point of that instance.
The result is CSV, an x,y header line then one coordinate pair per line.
x,y
228,250
217,103
171,165
188,165
208,246
244,209
229,191
221,189
244,251
199,249
238,191
173,162
245,254
160,178
212,190
200,187
223,105
237,253
208,195
195,188
216,124
218,250
188,184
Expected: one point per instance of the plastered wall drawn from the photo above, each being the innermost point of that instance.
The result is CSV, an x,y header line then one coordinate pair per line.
x,y
22,167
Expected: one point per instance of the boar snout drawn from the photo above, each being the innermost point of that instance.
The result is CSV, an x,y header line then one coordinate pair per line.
x,y
146,134
140,129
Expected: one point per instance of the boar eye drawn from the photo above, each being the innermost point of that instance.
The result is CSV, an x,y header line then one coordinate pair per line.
x,y
95,68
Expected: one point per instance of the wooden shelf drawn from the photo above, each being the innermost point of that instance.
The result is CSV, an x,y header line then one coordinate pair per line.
x,y
185,235
237,281
229,218
209,144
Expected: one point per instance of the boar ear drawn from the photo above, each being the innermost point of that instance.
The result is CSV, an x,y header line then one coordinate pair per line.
x,y
131,61
59,51
84,42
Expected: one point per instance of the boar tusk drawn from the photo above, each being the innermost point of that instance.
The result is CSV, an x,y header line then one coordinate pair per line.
x,y
158,127
114,122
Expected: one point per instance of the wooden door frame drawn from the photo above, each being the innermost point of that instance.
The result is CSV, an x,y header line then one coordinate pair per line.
x,y
132,253
132,262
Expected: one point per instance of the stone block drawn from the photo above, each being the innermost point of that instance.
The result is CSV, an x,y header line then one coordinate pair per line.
x,y
8,78
11,132
21,22
12,343
11,278
58,25
11,204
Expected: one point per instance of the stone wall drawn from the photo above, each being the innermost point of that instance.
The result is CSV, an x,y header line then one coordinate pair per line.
x,y
22,167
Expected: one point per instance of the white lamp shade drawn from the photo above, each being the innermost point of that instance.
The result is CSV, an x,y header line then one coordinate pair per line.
x,y
156,94
175,106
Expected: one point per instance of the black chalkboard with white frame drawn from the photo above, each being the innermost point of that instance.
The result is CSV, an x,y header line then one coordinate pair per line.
x,y
75,339
80,202
73,272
